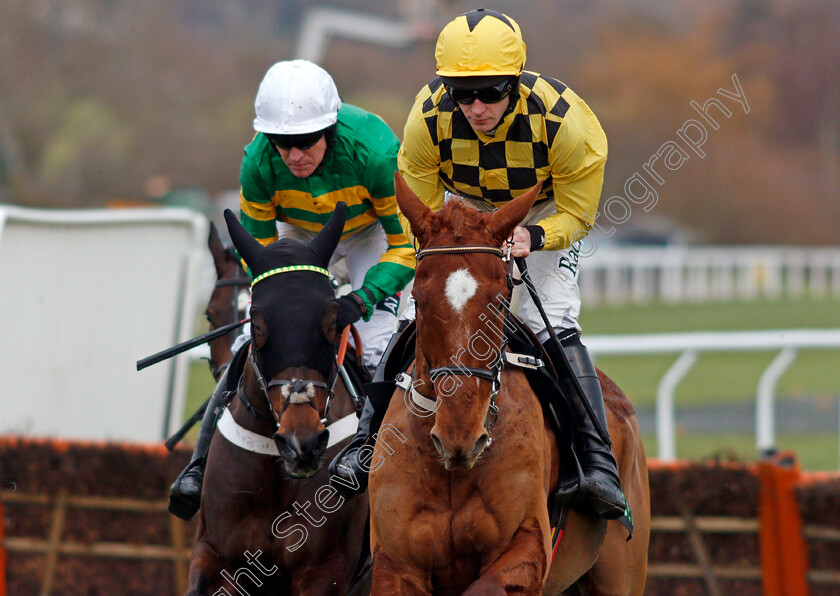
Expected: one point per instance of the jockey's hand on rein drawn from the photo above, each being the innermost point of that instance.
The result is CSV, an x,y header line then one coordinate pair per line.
x,y
349,311
525,240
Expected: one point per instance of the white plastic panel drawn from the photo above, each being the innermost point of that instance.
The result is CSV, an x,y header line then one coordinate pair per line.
x,y
83,296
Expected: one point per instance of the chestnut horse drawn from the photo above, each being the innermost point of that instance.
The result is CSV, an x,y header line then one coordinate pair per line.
x,y
460,507
269,521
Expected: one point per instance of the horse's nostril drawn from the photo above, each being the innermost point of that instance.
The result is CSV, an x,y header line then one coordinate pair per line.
x,y
284,445
439,445
318,443
481,444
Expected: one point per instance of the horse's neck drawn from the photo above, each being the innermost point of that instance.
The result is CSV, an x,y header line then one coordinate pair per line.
x,y
220,356
420,371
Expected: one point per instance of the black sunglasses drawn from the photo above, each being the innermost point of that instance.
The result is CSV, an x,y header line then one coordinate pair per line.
x,y
302,142
492,94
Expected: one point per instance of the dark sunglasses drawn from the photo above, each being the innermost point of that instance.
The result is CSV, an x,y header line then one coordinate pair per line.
x,y
302,142
492,94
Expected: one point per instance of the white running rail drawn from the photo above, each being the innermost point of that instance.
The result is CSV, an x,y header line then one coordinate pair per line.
x,y
689,345
320,24
674,274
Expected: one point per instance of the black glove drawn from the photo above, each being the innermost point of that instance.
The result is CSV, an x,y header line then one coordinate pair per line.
x,y
349,311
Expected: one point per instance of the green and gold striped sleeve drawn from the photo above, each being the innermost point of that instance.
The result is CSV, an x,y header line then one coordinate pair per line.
x,y
256,199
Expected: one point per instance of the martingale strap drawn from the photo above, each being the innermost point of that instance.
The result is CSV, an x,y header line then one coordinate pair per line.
x,y
523,360
340,430
406,383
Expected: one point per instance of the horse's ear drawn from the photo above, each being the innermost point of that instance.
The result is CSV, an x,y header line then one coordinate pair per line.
x,y
412,207
246,244
323,245
506,218
217,248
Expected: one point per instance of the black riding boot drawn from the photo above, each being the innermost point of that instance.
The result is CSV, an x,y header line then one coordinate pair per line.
x,y
601,488
185,494
347,474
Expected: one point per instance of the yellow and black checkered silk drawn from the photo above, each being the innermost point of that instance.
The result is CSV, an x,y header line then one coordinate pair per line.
x,y
549,136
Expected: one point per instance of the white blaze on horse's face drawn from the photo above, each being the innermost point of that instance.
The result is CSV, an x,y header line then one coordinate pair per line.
x,y
460,287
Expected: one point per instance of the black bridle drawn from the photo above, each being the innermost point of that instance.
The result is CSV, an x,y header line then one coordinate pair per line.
x,y
475,248
295,386
492,375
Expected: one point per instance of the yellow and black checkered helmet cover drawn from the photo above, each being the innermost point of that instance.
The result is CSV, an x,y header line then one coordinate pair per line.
x,y
480,42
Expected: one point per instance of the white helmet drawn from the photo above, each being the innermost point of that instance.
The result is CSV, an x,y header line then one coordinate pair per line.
x,y
296,97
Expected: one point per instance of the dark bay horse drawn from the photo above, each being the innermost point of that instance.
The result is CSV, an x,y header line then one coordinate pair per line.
x,y
227,301
269,521
460,507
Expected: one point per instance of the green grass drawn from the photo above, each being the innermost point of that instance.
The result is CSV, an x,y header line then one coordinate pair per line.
x,y
709,316
815,452
721,377
199,387
718,377
726,377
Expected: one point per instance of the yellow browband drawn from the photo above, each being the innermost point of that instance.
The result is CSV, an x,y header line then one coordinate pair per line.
x,y
290,269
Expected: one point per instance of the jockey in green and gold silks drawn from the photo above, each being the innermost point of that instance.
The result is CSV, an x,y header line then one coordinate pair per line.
x,y
359,170
310,153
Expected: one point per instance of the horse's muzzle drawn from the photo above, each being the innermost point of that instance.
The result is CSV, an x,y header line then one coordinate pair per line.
x,y
302,458
460,458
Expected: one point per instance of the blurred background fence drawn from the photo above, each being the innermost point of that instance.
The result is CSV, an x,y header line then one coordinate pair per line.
x,y
681,273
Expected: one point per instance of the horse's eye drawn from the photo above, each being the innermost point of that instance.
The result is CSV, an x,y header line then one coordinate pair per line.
x,y
419,297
